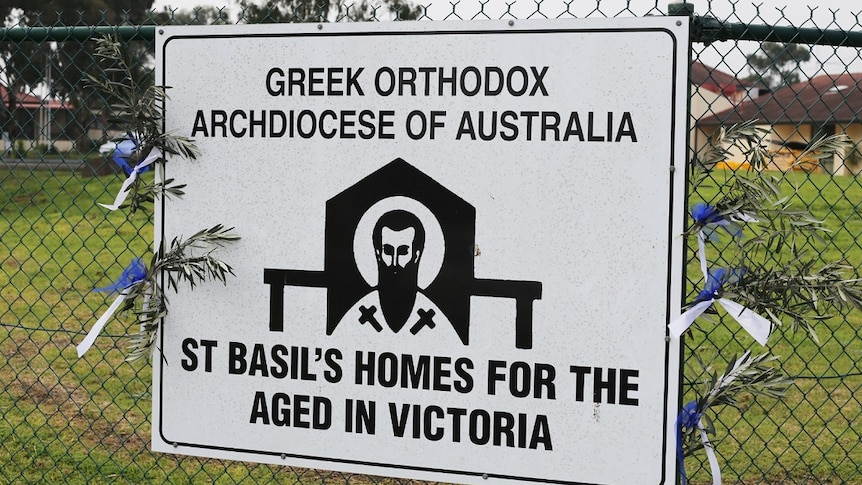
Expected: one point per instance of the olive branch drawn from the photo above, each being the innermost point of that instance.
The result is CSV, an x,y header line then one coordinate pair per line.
x,y
747,374
775,277
136,102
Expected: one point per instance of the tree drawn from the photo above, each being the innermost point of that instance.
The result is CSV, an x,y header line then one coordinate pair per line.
x,y
775,64
278,11
200,15
61,67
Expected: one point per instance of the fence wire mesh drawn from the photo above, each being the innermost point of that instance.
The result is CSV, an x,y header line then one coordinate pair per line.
x,y
87,420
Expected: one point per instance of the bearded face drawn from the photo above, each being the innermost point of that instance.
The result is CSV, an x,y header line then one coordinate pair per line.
x,y
398,255
397,247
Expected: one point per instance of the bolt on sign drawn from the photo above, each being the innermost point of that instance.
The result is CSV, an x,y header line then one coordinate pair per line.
x,y
459,248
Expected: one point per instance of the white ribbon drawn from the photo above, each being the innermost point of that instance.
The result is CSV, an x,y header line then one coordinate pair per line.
x,y
84,346
154,155
710,455
757,326
743,217
701,253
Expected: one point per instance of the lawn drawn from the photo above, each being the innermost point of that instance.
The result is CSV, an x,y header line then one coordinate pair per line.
x,y
814,433
87,420
83,421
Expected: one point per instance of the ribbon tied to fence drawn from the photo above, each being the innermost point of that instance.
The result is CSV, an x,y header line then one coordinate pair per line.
x,y
122,154
759,327
133,275
708,218
690,418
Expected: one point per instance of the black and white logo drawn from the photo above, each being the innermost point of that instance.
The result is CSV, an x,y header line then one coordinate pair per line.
x,y
399,250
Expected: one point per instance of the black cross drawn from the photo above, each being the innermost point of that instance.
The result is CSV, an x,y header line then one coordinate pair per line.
x,y
426,319
368,317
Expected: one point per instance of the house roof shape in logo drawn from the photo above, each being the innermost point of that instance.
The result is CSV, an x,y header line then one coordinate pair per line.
x,y
450,290
455,282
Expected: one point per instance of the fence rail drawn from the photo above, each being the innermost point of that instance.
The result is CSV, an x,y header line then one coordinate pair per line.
x,y
87,421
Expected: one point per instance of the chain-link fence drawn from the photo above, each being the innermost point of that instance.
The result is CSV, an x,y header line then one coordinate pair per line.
x,y
87,420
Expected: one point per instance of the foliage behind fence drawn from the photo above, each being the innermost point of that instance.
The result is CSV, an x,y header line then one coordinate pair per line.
x,y
87,421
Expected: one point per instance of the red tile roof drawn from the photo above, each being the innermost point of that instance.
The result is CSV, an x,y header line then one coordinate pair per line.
x,y
29,101
716,81
830,98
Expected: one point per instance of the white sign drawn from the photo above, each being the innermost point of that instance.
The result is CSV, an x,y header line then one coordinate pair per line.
x,y
460,248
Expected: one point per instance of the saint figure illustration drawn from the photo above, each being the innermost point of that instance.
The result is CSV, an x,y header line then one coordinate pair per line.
x,y
397,304
411,256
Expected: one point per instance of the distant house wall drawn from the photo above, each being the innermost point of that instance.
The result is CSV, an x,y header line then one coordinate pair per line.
x,y
789,132
737,157
852,163
784,158
704,102
712,91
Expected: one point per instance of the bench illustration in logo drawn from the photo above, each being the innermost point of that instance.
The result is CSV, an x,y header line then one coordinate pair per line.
x,y
398,258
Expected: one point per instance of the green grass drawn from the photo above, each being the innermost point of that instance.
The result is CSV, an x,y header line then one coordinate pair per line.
x,y
87,421
815,433
63,419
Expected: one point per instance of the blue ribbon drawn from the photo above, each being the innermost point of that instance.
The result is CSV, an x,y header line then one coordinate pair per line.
x,y
704,214
134,273
688,419
123,152
708,217
715,281
753,323
142,166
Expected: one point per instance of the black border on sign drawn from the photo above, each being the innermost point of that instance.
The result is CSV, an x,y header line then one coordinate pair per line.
x,y
677,71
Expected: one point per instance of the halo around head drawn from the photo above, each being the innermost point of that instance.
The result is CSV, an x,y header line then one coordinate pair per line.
x,y
363,248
